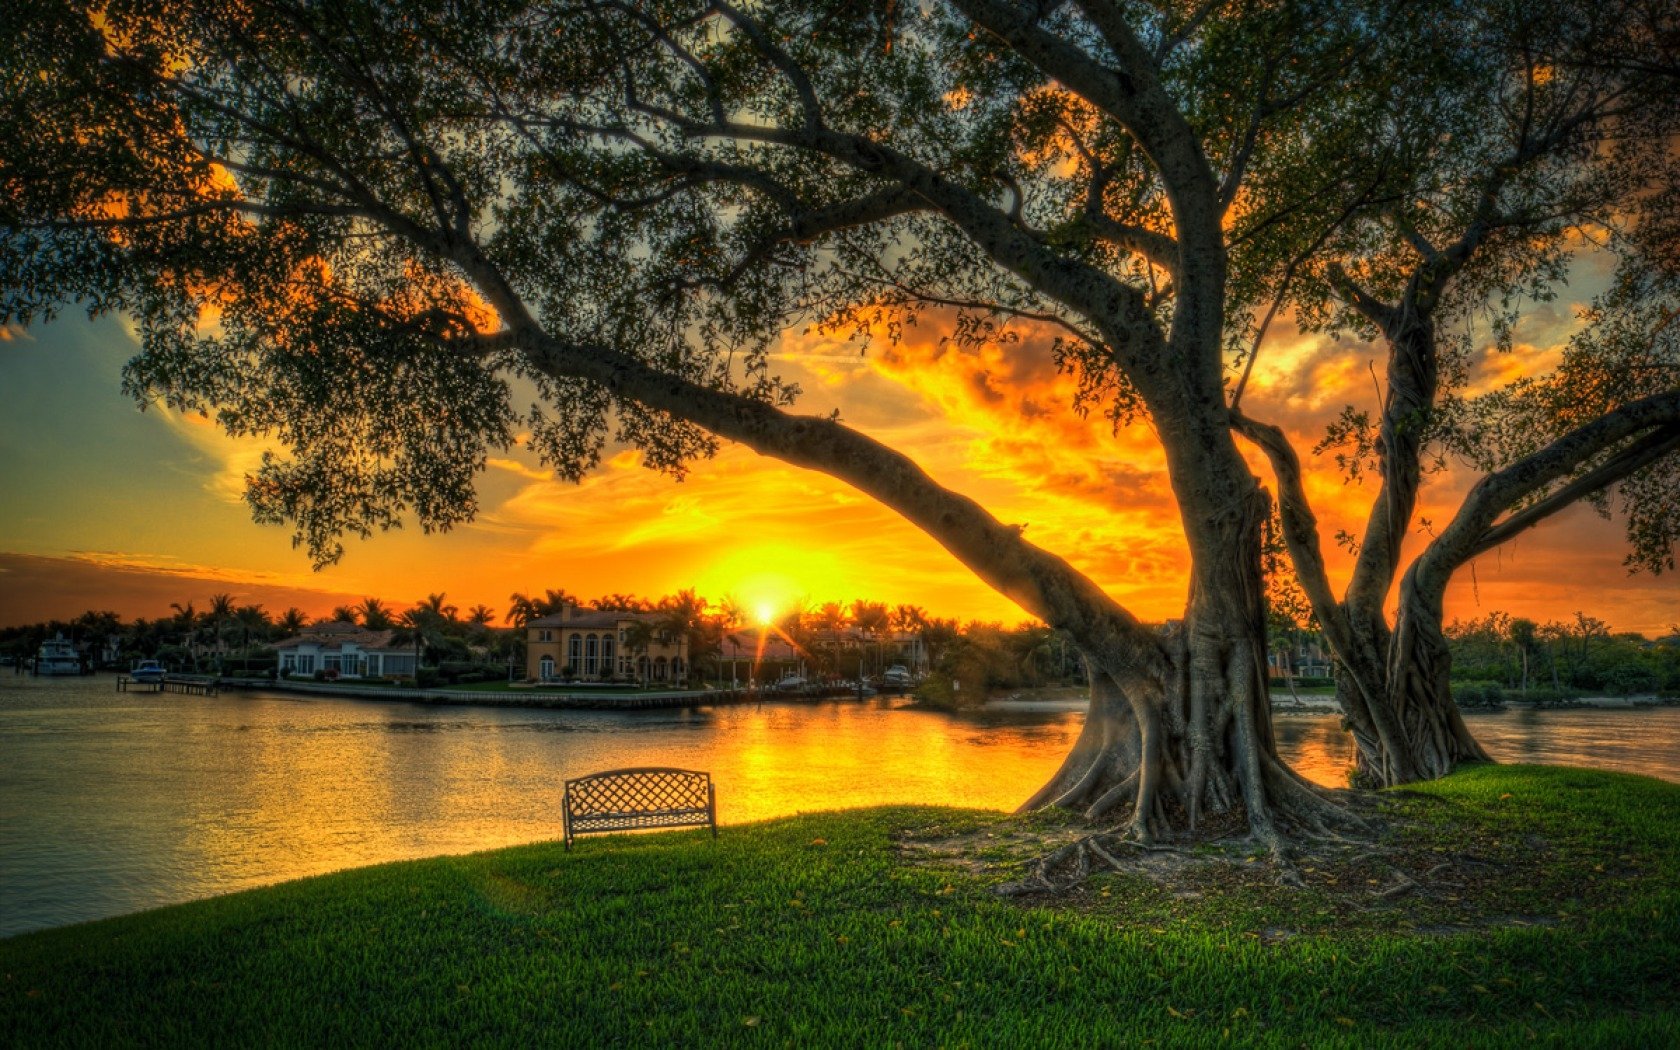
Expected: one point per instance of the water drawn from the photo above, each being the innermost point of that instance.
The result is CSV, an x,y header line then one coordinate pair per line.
x,y
113,802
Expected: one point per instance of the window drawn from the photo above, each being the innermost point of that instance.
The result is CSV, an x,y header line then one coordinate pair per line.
x,y
576,651
546,667
306,664
330,663
592,653
546,634
399,663
607,655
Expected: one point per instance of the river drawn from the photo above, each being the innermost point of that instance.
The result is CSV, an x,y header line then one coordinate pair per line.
x,y
114,802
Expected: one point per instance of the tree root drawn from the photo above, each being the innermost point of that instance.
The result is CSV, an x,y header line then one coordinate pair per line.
x,y
1051,874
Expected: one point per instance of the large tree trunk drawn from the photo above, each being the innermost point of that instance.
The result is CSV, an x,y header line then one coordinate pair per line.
x,y
1425,734
1198,742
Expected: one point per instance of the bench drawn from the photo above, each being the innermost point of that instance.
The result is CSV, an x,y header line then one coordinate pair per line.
x,y
633,799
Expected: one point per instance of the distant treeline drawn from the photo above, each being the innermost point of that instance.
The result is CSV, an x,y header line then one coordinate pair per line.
x,y
957,664
1503,656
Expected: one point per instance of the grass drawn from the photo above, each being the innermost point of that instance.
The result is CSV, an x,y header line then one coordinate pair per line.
x,y
873,927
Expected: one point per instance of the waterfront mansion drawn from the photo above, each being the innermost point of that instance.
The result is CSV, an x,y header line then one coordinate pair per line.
x,y
344,650
590,645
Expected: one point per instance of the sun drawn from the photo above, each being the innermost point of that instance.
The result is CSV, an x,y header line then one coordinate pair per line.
x,y
769,580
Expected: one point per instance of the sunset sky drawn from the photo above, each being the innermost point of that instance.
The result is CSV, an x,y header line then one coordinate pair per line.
x,y
103,506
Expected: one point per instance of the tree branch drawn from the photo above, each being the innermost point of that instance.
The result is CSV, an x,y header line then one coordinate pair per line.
x,y
1653,419
1300,526
1039,581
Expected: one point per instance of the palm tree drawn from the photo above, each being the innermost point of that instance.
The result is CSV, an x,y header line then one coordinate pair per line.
x,y
684,614
251,618
99,628
293,620
220,612
415,623
521,609
374,615
912,620
186,621
831,616
732,612
343,614
872,619
479,619
620,603
435,604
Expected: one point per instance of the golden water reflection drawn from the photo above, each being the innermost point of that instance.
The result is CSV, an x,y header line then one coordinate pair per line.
x,y
111,802
114,802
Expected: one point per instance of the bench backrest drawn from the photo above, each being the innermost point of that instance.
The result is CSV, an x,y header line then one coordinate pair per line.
x,y
629,799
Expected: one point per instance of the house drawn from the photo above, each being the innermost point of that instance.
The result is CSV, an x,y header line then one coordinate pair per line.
x,y
591,645
756,656
344,650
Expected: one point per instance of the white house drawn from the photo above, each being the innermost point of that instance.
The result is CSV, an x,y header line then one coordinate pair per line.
x,y
345,651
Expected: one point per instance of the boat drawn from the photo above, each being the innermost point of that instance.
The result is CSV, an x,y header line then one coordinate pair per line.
x,y
58,657
896,677
147,671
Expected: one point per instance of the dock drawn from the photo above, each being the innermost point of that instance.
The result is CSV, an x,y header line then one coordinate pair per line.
x,y
189,684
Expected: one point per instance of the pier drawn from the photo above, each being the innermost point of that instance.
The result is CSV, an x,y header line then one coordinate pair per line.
x,y
191,685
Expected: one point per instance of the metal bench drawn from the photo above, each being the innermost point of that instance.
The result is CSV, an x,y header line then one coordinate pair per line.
x,y
633,799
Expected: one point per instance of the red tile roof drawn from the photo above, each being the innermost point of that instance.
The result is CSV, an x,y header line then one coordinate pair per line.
x,y
335,636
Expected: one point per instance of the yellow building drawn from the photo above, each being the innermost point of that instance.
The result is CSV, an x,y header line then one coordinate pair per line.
x,y
586,645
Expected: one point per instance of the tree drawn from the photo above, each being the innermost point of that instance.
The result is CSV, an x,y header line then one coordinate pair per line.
x,y
186,621
620,603
1522,634
481,616
99,629
522,608
220,612
629,212
374,615
252,620
438,606
684,615
1511,141
293,620
415,625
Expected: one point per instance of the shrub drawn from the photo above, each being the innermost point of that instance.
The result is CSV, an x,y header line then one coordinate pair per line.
x,y
428,678
1477,694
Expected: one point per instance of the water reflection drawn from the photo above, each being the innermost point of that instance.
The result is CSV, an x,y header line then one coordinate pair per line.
x,y
1316,746
113,802
1626,740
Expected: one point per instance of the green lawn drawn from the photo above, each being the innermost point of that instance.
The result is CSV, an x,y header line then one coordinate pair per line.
x,y
1556,919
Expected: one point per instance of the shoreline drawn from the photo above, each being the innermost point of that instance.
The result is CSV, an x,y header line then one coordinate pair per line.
x,y
561,700
1054,698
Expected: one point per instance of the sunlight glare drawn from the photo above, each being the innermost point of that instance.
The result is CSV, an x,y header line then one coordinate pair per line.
x,y
768,581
